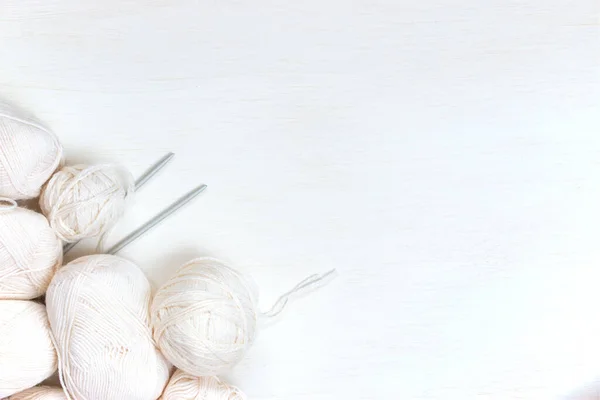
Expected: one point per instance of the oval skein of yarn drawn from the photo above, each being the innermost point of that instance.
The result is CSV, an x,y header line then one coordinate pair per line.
x,y
205,317
29,154
183,386
30,254
27,355
40,393
84,201
98,308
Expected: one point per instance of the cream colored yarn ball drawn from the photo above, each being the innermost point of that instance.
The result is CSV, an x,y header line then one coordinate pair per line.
x,y
98,307
187,387
30,254
83,201
27,355
204,318
40,393
29,154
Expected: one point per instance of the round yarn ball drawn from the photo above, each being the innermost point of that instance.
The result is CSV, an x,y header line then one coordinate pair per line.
x,y
204,318
40,393
83,201
187,387
98,307
29,154
27,355
30,254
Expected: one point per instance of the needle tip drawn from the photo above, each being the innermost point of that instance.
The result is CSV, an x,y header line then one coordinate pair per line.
x,y
200,188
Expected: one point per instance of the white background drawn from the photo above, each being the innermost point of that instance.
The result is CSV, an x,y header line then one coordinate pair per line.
x,y
443,155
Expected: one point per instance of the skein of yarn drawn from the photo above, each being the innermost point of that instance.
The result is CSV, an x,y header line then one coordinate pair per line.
x,y
30,253
205,317
83,201
30,154
27,355
40,393
98,308
186,387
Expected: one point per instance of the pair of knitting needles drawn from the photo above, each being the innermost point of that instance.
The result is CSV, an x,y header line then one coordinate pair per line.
x,y
158,218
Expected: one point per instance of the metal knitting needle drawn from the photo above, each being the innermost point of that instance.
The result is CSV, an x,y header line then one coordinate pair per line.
x,y
153,170
139,182
183,200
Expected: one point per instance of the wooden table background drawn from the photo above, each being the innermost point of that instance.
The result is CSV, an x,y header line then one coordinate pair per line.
x,y
443,155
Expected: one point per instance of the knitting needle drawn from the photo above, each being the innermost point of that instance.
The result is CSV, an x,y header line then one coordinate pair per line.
x,y
183,200
141,181
153,170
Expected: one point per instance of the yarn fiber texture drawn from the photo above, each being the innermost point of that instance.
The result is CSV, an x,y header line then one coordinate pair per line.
x,y
29,154
98,307
204,318
27,355
40,393
30,254
186,387
83,201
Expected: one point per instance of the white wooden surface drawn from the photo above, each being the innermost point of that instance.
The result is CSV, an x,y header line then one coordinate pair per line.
x,y
444,155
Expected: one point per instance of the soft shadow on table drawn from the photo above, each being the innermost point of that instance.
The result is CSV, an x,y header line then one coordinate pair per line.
x,y
588,392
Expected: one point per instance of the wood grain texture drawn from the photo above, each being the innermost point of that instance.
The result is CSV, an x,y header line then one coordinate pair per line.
x,y
442,154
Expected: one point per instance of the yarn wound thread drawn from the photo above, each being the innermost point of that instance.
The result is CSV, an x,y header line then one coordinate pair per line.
x,y
29,154
183,386
205,317
30,252
83,201
40,393
98,308
27,355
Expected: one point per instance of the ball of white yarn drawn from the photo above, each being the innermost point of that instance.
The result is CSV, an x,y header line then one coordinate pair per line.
x,y
83,201
98,307
30,253
183,386
27,355
40,393
29,154
204,318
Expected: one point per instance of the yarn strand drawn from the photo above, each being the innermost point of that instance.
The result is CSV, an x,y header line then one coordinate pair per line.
x,y
308,285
